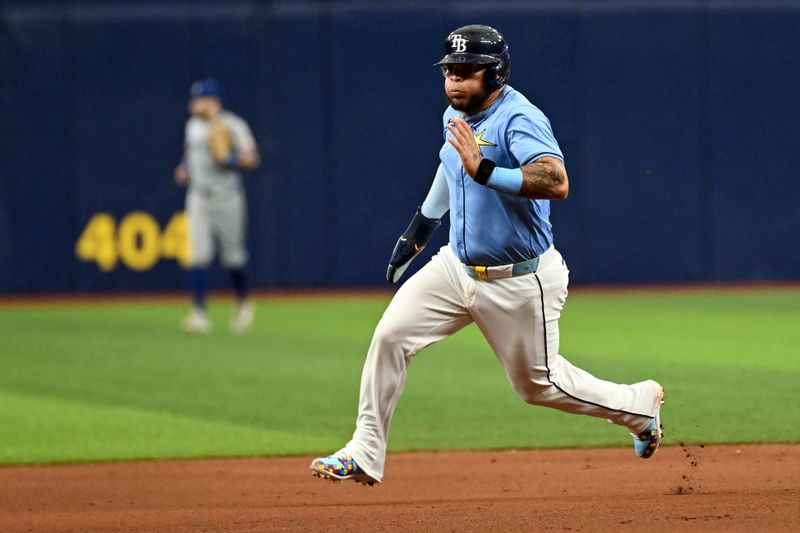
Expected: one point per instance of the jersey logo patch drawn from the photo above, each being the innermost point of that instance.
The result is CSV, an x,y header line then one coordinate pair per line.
x,y
481,141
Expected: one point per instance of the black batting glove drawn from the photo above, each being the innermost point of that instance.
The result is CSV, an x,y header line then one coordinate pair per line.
x,y
411,243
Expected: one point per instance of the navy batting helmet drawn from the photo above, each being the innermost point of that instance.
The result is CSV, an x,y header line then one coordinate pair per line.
x,y
479,45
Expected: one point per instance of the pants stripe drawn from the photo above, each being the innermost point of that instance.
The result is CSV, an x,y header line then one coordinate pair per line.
x,y
547,363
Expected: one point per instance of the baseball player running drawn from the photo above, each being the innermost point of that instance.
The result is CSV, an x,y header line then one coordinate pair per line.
x,y
218,145
500,166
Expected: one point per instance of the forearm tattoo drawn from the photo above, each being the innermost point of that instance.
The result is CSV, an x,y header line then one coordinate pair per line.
x,y
544,179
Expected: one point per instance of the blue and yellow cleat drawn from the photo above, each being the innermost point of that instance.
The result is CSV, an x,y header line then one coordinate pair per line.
x,y
645,444
339,467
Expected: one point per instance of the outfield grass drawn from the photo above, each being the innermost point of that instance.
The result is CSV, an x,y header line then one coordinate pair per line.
x,y
120,381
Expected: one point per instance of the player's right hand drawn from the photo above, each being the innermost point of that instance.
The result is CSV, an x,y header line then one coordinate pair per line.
x,y
404,252
410,244
464,142
181,175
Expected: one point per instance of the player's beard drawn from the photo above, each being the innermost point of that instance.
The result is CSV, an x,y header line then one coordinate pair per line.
x,y
472,103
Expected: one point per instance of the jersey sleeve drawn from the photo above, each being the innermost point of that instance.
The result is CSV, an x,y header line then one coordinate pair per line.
x,y
437,203
186,133
530,136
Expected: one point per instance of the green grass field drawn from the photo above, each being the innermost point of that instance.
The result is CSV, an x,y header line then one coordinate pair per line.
x,y
115,380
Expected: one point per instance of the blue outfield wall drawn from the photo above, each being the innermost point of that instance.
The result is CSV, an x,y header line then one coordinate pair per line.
x,y
678,121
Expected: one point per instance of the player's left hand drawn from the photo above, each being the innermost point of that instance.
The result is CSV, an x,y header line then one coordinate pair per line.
x,y
463,140
410,244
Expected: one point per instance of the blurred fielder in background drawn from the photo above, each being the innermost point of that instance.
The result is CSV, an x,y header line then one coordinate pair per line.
x,y
218,145
500,166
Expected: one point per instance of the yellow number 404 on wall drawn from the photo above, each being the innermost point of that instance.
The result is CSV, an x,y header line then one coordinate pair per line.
x,y
137,241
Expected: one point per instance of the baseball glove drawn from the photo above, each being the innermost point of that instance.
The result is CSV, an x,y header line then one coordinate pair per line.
x,y
220,142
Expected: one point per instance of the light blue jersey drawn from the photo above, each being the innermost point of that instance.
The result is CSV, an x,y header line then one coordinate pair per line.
x,y
488,227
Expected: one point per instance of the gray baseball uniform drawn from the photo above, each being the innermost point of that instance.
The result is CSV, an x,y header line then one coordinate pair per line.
x,y
215,200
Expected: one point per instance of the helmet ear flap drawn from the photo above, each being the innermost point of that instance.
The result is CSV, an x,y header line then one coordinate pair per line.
x,y
497,75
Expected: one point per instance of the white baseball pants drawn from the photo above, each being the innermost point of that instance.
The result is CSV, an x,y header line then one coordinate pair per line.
x,y
518,316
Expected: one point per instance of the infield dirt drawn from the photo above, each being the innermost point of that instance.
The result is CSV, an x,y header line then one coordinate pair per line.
x,y
682,488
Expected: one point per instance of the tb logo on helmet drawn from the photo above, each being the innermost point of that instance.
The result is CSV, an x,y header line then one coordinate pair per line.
x,y
459,43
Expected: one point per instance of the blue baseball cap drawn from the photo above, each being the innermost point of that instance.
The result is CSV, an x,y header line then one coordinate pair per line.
x,y
206,87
